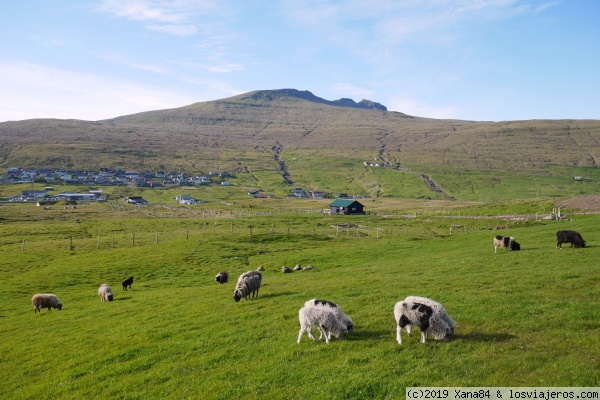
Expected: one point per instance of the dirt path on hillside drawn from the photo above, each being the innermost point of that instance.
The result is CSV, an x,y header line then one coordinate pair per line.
x,y
589,203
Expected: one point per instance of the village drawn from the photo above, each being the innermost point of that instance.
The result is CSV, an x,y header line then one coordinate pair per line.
x,y
343,204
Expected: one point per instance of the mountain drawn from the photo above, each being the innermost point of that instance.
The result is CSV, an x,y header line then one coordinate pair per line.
x,y
255,131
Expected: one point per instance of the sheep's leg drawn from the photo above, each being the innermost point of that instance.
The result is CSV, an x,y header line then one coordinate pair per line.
x,y
302,329
310,334
320,334
327,336
423,336
409,329
399,334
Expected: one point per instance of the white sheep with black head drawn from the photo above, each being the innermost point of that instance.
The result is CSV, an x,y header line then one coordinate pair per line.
x,y
322,318
105,292
437,307
424,317
248,284
337,311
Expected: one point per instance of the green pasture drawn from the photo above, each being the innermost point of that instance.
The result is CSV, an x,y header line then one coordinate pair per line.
x,y
527,318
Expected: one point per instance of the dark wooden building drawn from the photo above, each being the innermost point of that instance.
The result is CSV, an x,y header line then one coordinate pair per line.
x,y
346,206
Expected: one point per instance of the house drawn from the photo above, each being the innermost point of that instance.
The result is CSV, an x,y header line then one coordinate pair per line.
x,y
346,206
77,196
137,200
185,199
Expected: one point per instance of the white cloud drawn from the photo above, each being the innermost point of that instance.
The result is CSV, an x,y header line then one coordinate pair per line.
x,y
347,89
417,109
174,17
35,91
128,62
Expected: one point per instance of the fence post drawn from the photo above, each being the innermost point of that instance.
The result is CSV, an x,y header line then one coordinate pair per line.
x,y
71,243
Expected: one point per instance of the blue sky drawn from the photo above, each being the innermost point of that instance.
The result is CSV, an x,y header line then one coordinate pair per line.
x,y
483,60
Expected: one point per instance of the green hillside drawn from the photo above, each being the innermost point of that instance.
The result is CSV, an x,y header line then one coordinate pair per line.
x,y
323,145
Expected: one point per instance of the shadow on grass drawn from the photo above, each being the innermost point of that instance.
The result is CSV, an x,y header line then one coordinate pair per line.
x,y
357,334
122,298
484,337
270,295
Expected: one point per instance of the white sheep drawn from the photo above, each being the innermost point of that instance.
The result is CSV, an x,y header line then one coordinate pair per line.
x,y
322,318
105,292
437,307
248,283
337,311
45,300
424,317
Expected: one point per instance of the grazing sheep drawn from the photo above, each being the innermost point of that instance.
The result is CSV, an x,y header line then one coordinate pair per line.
x,y
222,277
569,237
127,283
337,311
437,307
260,268
285,270
105,292
45,300
322,318
248,283
307,268
506,243
423,316
297,267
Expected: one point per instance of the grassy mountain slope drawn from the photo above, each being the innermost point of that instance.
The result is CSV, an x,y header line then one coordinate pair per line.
x,y
322,143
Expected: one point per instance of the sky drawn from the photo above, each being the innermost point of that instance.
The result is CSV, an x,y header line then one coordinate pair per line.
x,y
479,60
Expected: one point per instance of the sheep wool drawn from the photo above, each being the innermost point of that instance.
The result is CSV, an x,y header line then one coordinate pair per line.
x,y
337,311
437,307
105,292
45,300
424,317
322,318
248,284
222,277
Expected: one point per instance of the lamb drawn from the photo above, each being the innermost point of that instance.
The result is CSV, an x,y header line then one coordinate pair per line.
x,y
45,300
506,243
423,316
248,283
127,283
337,311
222,277
105,292
285,270
437,307
322,318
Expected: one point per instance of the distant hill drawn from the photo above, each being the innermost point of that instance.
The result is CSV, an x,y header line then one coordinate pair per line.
x,y
255,131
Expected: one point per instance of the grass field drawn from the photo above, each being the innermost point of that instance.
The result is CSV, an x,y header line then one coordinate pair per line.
x,y
527,318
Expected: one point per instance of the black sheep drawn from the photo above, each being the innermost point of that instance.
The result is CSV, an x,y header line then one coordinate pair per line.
x,y
569,237
127,283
